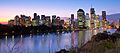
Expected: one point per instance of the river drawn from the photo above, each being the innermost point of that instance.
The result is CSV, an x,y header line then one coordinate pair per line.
x,y
46,43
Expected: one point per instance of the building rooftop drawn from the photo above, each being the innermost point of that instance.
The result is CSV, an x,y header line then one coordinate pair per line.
x,y
80,10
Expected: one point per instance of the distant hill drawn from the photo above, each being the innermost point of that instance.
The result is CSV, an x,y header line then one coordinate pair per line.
x,y
113,16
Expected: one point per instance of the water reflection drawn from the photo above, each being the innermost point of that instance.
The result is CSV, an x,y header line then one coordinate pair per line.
x,y
46,43
81,37
74,39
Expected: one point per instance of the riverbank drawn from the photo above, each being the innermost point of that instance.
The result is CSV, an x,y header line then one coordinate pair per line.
x,y
101,43
6,30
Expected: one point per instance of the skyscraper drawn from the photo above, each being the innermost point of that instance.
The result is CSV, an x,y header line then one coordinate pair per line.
x,y
43,19
72,16
72,20
97,21
87,21
27,21
47,21
103,15
35,15
16,20
22,20
104,19
62,23
81,18
58,21
34,22
53,20
92,15
37,18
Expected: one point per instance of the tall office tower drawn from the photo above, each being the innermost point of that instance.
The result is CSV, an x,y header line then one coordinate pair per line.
x,y
34,22
81,18
37,18
43,19
97,21
53,20
58,21
22,20
27,21
40,21
69,22
92,15
47,21
103,15
62,23
104,19
22,23
35,15
16,20
72,20
87,21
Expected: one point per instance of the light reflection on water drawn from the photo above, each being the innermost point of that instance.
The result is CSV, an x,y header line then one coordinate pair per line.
x,y
46,43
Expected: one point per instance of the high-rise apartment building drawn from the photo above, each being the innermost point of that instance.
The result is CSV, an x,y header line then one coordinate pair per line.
x,y
16,20
92,17
54,20
81,18
87,21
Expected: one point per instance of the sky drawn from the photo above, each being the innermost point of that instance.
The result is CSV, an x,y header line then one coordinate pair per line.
x,y
62,8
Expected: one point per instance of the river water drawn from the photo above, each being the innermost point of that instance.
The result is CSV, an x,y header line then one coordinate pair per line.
x,y
46,43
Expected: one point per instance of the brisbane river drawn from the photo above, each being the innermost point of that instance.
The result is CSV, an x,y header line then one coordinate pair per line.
x,y
46,43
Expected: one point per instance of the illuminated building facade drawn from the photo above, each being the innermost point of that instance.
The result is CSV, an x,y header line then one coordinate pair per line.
x,y
75,24
72,20
104,21
97,22
81,18
22,20
37,18
11,22
58,21
43,19
87,21
40,22
34,22
54,20
47,21
92,15
27,21
16,20
62,23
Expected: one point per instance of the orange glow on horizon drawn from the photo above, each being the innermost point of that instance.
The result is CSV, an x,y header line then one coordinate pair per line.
x,y
4,20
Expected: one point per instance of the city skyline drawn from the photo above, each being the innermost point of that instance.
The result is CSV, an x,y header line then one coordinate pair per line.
x,y
10,8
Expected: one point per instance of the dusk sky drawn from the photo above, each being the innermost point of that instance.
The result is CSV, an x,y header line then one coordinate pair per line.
x,y
62,8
